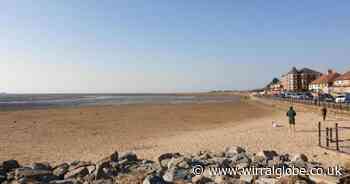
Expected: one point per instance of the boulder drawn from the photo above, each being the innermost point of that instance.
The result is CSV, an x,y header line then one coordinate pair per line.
x,y
300,157
10,175
241,158
68,181
128,156
41,166
164,159
114,157
176,162
228,180
233,150
10,165
263,180
79,172
2,175
247,178
169,176
100,171
77,164
104,181
300,161
61,170
267,154
201,180
327,179
153,179
31,173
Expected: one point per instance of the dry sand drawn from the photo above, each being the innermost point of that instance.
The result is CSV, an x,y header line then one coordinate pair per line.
x,y
89,133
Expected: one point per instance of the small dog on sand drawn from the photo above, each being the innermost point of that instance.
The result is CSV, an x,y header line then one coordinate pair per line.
x,y
275,125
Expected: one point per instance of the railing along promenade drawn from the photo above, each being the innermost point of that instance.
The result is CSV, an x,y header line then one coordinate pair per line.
x,y
316,103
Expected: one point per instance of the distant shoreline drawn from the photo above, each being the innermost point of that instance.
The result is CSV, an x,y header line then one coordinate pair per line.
x,y
42,101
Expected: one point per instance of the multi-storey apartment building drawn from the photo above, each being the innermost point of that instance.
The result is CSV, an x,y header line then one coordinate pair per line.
x,y
299,80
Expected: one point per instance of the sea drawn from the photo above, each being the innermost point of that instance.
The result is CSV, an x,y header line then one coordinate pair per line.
x,y
29,101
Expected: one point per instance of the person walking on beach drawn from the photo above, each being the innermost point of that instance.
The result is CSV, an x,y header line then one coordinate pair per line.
x,y
324,113
291,115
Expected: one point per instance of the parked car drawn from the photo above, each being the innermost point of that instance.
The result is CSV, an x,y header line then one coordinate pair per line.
x,y
345,98
306,96
287,95
326,97
302,96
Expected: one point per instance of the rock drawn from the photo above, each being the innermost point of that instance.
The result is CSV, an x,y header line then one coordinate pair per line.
x,y
10,165
233,150
77,164
300,157
41,166
68,181
114,157
169,176
152,179
227,180
61,170
201,180
100,171
247,178
31,173
294,180
326,179
104,181
266,181
300,161
175,162
10,175
344,179
218,154
2,175
128,156
164,159
267,155
79,172
242,165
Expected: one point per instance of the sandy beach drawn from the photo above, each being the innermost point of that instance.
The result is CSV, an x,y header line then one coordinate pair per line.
x,y
89,133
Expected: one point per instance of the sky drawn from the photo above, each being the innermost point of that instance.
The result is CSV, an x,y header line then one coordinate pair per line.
x,y
161,46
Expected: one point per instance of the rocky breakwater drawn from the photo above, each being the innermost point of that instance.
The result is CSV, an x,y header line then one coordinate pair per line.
x,y
169,168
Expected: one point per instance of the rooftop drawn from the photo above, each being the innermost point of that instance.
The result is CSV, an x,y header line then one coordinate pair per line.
x,y
326,78
345,76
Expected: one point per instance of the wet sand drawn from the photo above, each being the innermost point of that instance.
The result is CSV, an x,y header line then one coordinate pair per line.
x,y
88,133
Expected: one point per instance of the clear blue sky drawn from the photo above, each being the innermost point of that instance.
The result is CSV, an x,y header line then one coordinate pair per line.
x,y
166,46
